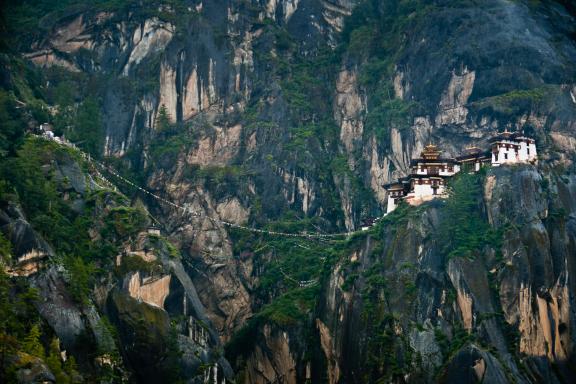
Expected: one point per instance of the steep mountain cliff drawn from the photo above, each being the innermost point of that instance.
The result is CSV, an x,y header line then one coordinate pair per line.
x,y
290,116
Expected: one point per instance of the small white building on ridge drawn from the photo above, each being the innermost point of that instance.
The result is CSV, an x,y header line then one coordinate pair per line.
x,y
510,148
429,173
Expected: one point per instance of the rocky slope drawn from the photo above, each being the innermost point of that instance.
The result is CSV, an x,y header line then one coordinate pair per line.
x,y
127,305
291,115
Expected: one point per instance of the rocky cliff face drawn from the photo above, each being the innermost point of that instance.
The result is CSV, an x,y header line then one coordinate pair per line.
x,y
134,308
398,307
291,115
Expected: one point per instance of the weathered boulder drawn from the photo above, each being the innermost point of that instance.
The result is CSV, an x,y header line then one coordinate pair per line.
x,y
474,365
145,335
32,370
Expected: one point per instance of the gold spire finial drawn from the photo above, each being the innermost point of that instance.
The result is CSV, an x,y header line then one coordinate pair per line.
x,y
431,151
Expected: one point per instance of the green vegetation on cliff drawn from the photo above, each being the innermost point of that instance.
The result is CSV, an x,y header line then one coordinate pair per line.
x,y
464,230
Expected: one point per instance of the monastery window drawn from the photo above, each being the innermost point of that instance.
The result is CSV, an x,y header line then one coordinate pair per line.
x,y
505,156
528,151
495,157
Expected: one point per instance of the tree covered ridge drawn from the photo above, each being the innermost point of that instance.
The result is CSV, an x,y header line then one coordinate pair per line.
x,y
85,238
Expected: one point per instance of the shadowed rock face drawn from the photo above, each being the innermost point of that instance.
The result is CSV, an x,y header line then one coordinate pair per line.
x,y
535,285
143,328
29,248
511,313
473,365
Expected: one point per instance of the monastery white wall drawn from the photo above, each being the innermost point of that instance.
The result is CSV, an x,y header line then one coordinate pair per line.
x,y
421,190
523,151
527,151
391,204
446,172
505,156
533,155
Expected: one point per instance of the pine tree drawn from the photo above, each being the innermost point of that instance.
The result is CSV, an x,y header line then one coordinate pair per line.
x,y
5,249
71,369
163,119
8,343
32,343
54,362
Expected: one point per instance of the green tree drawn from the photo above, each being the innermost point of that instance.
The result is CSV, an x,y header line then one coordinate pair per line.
x,y
32,344
64,94
71,368
54,362
11,126
465,230
80,277
125,222
163,119
36,191
8,343
63,97
88,131
5,249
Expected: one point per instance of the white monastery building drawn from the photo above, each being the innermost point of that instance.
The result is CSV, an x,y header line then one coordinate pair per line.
x,y
429,174
510,148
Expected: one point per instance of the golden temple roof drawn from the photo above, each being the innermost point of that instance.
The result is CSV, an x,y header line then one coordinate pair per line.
x,y
431,152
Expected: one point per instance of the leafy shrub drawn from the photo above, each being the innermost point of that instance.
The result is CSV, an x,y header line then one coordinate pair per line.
x,y
80,278
516,101
133,263
125,221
